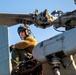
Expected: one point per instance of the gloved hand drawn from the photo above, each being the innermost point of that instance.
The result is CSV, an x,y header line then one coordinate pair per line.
x,y
11,48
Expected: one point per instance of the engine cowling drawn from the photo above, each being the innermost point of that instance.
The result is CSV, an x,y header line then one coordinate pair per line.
x,y
65,42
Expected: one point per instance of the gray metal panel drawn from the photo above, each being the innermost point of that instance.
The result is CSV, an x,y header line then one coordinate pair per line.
x,y
4,53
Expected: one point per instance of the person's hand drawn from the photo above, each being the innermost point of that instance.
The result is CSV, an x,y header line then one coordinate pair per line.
x,y
11,48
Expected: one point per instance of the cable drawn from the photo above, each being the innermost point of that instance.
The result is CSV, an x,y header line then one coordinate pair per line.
x,y
56,29
32,34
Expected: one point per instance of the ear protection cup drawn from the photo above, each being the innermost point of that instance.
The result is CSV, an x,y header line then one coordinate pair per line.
x,y
27,31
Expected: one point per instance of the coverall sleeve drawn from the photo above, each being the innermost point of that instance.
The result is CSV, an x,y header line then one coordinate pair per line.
x,y
28,42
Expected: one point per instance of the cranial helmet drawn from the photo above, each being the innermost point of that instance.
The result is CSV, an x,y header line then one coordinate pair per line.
x,y
26,29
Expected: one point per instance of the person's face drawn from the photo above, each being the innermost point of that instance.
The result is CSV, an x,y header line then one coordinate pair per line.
x,y
22,34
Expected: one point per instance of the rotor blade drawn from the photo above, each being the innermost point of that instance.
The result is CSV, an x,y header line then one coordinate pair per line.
x,y
13,19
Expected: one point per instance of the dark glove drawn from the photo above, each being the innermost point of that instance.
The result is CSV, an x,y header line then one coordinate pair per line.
x,y
11,48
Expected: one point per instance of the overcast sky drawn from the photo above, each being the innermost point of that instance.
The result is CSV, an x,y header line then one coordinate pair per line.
x,y
29,6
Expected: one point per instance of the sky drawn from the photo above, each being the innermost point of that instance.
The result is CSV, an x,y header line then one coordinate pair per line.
x,y
29,6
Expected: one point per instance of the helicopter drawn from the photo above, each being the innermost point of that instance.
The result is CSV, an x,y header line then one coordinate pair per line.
x,y
57,56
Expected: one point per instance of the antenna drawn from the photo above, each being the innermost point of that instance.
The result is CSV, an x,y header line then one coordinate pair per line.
x,y
75,3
